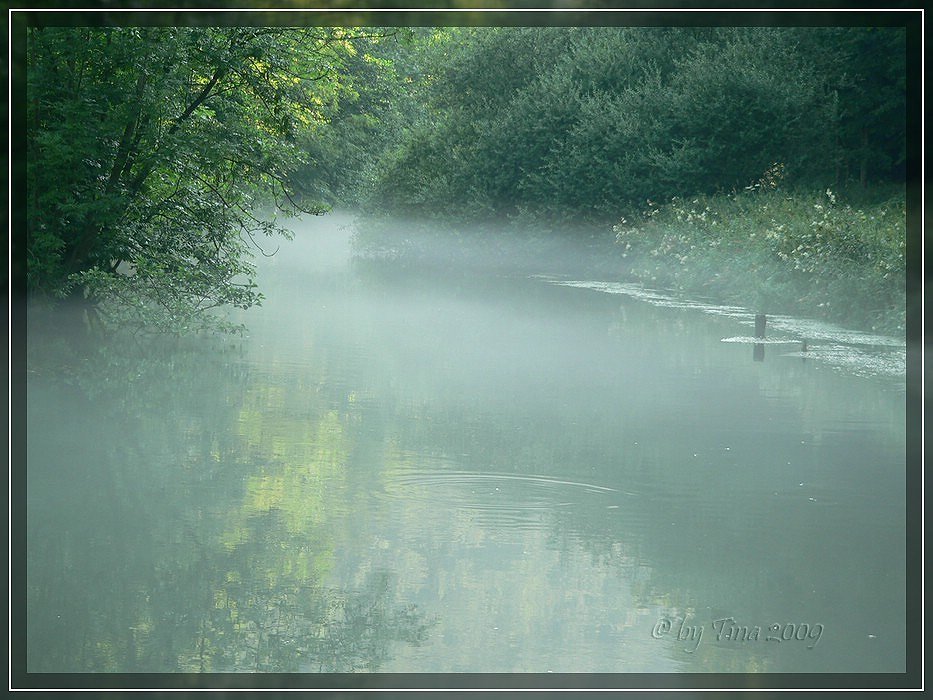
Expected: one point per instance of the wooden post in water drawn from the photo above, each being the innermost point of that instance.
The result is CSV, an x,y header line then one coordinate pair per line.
x,y
758,354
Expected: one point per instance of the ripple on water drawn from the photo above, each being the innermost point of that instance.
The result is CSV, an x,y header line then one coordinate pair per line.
x,y
492,498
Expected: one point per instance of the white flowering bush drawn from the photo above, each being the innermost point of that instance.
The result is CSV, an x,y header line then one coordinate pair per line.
x,y
813,254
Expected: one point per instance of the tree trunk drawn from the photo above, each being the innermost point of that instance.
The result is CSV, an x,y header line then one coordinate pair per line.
x,y
76,258
129,137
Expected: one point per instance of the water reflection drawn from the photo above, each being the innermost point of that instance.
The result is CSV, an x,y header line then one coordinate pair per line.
x,y
404,470
172,529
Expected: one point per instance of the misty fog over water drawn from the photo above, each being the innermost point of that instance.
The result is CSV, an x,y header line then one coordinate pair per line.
x,y
408,468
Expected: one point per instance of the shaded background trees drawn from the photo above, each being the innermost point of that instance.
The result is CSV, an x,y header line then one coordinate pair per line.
x,y
157,151
585,123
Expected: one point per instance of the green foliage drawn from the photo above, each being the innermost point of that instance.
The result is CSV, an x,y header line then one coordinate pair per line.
x,y
150,150
377,104
736,105
581,123
864,72
458,157
159,298
782,252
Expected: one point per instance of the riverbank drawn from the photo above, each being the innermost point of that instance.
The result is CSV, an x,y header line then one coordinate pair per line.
x,y
808,254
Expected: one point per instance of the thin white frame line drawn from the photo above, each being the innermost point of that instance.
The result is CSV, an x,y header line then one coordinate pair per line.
x,y
462,690
497,10
10,348
10,12
9,491
391,689
922,345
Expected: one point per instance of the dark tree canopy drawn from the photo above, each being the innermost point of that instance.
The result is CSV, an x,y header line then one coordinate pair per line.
x,y
590,122
155,154
152,149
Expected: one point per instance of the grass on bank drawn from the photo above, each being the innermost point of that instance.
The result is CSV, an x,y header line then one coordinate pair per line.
x,y
809,254
813,254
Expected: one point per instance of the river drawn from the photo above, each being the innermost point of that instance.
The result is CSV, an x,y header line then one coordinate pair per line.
x,y
417,470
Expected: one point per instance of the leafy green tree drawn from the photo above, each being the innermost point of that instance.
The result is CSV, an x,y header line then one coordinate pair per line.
x,y
150,151
423,171
378,105
585,123
745,102
864,71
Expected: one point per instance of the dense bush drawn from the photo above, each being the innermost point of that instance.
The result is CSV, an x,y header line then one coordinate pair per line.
x,y
778,252
582,123
151,150
747,135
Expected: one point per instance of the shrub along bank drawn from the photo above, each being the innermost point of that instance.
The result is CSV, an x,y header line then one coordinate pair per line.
x,y
777,252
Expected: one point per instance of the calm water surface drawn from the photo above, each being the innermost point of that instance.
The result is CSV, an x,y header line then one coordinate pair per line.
x,y
409,470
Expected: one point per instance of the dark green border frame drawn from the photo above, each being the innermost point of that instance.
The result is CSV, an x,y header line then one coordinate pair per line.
x,y
401,14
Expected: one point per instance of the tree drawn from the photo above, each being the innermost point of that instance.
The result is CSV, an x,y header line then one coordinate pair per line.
x,y
745,101
865,80
376,108
582,124
150,150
